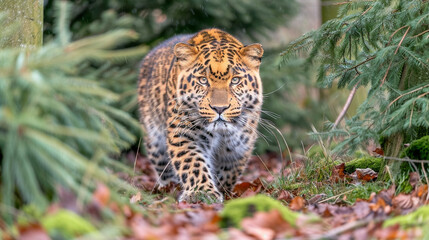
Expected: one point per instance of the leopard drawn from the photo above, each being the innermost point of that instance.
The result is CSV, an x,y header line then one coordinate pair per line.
x,y
200,98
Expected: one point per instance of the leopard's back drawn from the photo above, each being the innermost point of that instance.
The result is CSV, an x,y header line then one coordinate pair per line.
x,y
155,71
156,68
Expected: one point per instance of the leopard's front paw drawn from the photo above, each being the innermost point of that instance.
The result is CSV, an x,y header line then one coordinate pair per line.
x,y
205,196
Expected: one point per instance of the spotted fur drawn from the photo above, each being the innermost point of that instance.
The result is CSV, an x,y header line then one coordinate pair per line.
x,y
200,100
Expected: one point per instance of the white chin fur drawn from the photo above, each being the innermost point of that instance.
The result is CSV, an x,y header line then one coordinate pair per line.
x,y
221,126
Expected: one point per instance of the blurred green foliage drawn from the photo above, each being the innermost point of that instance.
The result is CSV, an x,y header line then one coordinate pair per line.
x,y
157,20
58,125
237,209
67,224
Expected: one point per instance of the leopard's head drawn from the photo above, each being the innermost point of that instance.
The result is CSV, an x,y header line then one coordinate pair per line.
x,y
218,78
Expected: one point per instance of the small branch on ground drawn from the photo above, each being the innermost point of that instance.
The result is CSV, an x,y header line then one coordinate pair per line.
x,y
334,233
336,196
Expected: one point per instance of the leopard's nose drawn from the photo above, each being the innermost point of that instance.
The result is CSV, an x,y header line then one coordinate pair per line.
x,y
219,109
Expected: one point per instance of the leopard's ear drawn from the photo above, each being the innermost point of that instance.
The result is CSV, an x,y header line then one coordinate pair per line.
x,y
185,53
252,54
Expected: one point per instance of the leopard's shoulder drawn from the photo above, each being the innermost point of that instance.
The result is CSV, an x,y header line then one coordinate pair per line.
x,y
161,55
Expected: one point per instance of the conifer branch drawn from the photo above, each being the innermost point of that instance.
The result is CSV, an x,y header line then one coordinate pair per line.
x,y
391,61
366,38
403,37
420,34
393,34
361,63
405,94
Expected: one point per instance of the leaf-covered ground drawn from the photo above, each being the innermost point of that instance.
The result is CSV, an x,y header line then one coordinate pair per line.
x,y
341,205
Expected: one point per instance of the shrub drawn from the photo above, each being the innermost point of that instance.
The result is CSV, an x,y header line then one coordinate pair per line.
x,y
57,123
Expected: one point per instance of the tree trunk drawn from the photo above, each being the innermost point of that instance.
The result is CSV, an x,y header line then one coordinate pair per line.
x,y
393,145
26,18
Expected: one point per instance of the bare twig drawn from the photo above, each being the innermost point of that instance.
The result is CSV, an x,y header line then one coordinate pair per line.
x,y
336,196
402,39
426,177
396,51
387,72
135,159
405,159
333,233
346,106
402,95
393,34
357,65
420,33
422,95
366,11
411,115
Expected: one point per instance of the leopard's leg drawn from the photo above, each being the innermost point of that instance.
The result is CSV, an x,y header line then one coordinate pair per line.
x,y
156,148
229,172
191,163
230,164
232,155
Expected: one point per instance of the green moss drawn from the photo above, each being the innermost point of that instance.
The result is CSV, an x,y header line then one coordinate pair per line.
x,y
67,223
365,162
237,209
29,214
416,218
418,149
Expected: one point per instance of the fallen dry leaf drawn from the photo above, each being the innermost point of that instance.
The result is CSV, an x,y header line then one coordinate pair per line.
x,y
237,234
260,232
338,172
101,194
379,151
361,209
421,191
414,179
247,189
266,225
380,204
366,174
241,188
403,201
297,203
32,232
395,232
136,198
285,196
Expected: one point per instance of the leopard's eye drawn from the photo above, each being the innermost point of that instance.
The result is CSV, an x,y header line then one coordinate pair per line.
x,y
235,80
203,81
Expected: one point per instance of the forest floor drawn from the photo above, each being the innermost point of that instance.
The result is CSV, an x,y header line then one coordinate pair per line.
x,y
337,205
